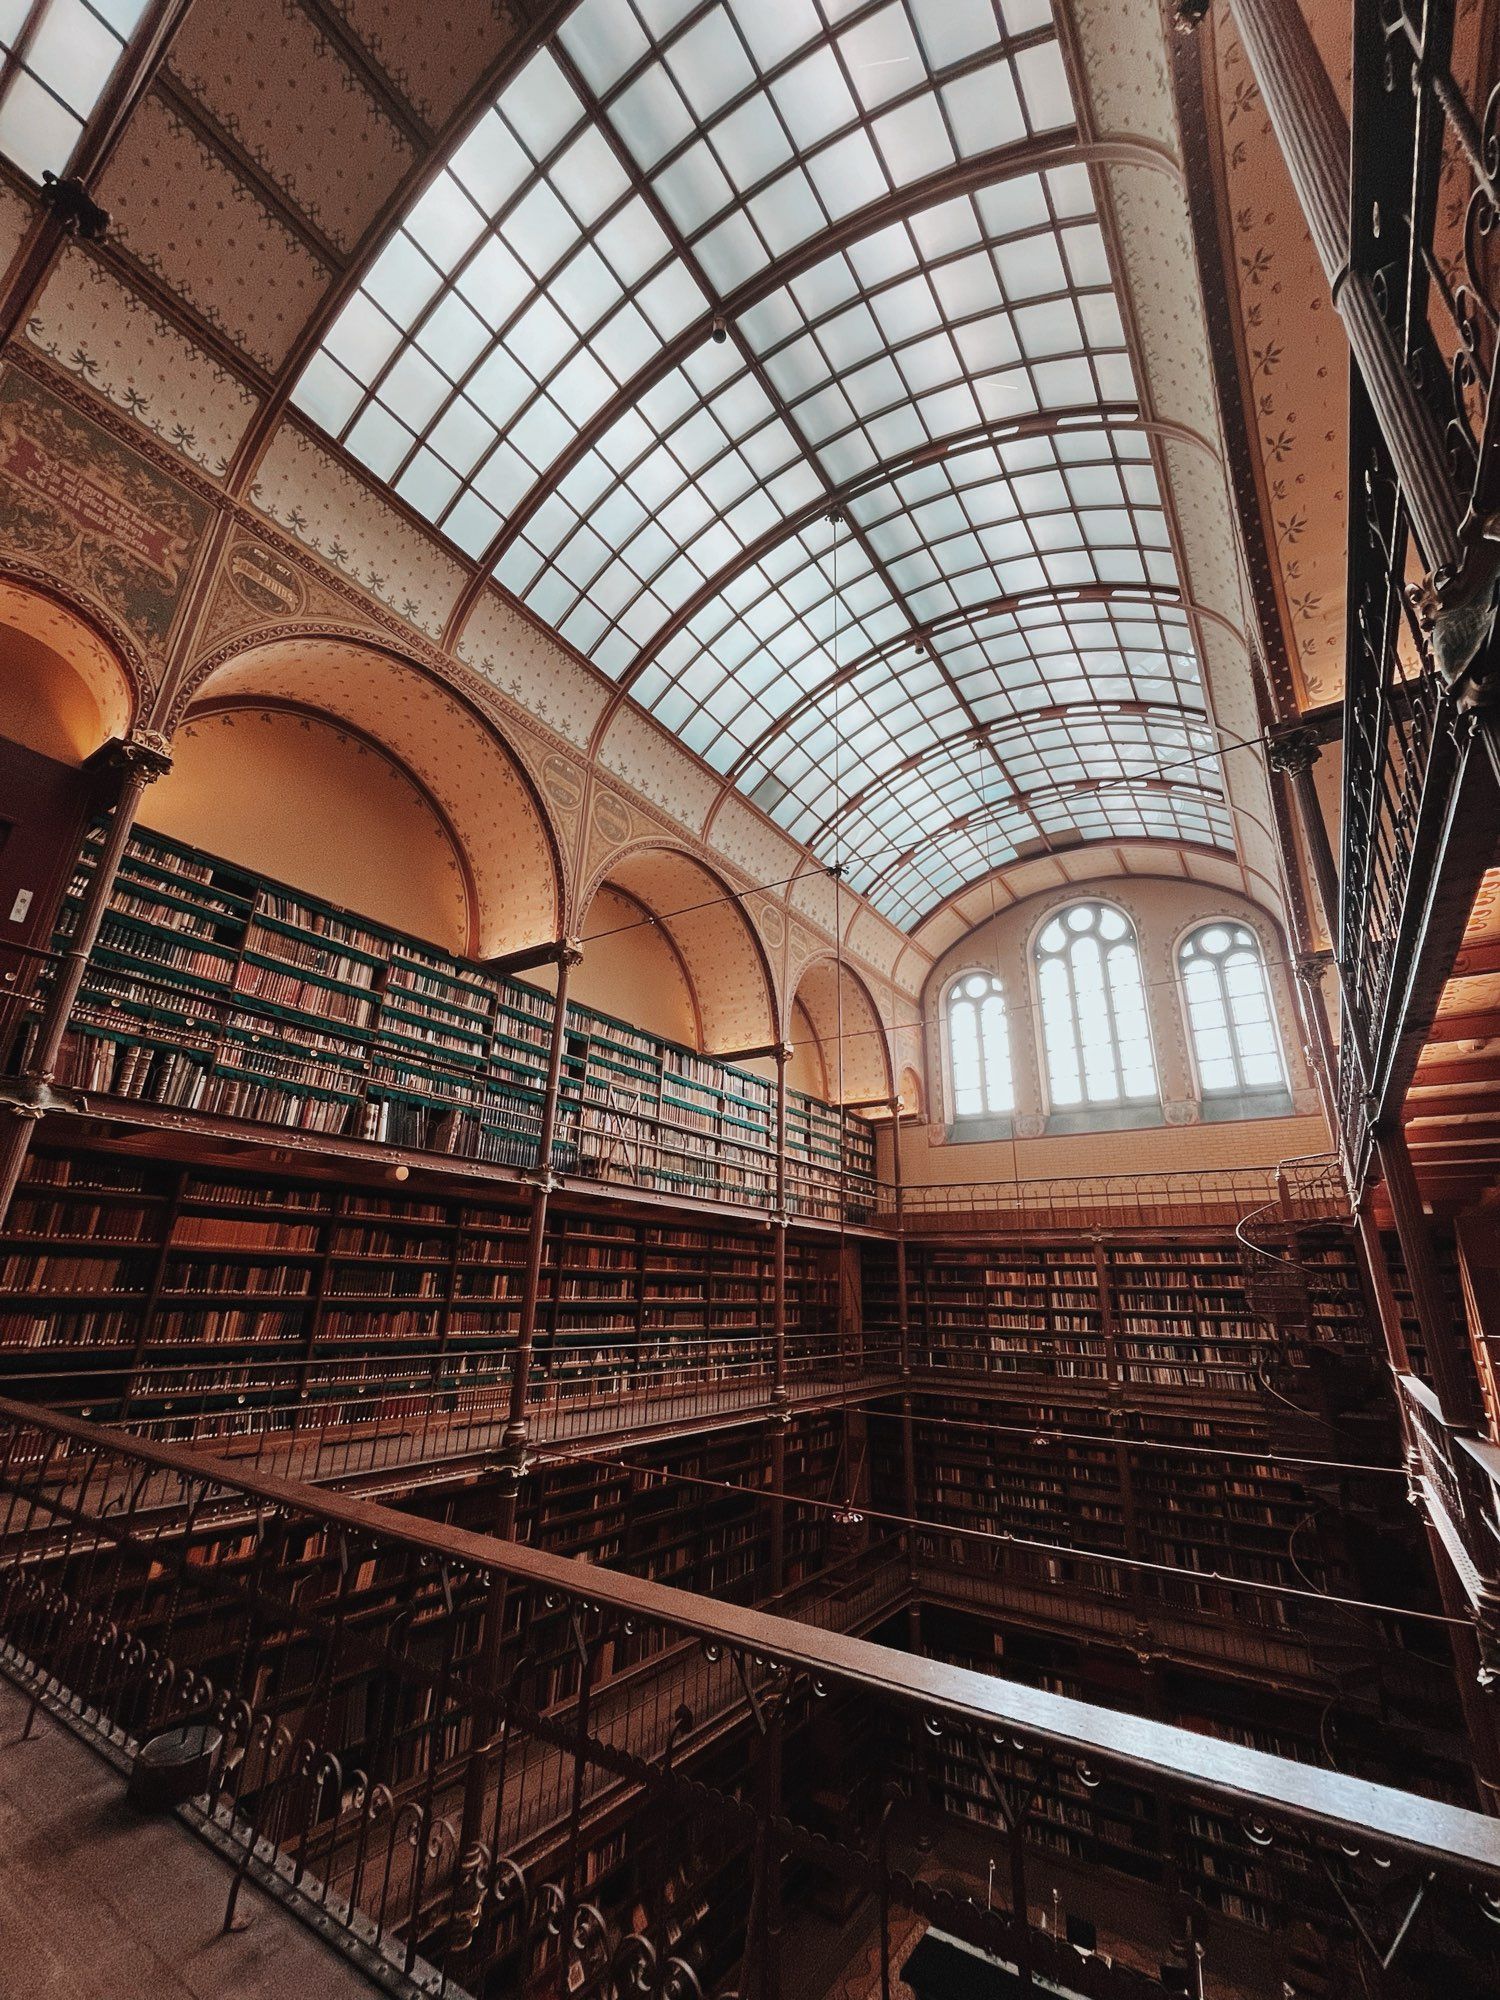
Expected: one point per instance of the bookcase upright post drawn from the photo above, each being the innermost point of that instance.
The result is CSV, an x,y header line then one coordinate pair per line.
x,y
516,1430
903,1362
780,1395
513,1444
138,764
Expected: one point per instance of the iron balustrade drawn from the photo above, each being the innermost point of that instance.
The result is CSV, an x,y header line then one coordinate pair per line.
x,y
1455,1477
406,1417
472,1761
1303,1190
1420,758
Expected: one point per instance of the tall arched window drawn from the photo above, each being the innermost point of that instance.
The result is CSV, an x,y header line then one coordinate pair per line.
x,y
1094,1009
979,1047
1229,1010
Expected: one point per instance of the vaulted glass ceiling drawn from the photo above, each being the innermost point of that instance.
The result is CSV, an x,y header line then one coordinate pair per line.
x,y
769,351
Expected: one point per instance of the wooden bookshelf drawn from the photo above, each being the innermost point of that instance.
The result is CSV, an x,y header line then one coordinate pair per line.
x,y
1141,1312
218,991
168,1290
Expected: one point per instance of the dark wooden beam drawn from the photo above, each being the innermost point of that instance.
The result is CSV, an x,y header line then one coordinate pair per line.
x,y
1424,1102
1477,961
1464,1028
1480,1068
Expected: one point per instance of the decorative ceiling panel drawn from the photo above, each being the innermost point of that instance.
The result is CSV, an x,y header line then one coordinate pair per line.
x,y
341,157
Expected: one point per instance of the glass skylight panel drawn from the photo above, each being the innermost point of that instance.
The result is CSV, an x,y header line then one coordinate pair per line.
x,y
528,363
759,126
56,56
979,309
526,287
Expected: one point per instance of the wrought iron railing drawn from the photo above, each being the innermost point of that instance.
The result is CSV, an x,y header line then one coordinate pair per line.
x,y
1456,1479
1425,131
473,1762
360,1420
1304,1190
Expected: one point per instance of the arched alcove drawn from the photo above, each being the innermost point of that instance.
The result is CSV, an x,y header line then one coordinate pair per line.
x,y
633,970
358,776
704,943
807,1071
63,690
851,1038
909,1090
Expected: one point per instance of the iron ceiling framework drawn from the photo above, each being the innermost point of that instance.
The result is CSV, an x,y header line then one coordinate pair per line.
x,y
729,329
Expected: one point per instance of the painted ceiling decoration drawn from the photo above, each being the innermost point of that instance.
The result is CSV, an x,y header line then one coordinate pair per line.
x,y
772,355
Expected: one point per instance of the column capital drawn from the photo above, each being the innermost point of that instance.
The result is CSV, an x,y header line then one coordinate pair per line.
x,y
513,1463
1311,965
1293,750
143,754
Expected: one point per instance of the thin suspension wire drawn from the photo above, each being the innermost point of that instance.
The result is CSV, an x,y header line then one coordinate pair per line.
x,y
876,854
933,1020
1050,1434
1247,1585
838,986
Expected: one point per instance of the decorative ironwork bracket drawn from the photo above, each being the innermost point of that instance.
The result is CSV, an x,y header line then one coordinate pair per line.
x,y
74,208
33,1097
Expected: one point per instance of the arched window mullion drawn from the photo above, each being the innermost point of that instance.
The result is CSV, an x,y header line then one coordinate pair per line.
x,y
980,1075
1107,936
1225,1055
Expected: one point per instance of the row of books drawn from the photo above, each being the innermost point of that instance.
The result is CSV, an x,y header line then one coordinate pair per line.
x,y
188,933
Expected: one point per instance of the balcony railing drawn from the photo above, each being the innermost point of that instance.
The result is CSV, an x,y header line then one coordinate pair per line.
x,y
369,1421
472,1761
1417,797
1456,1476
1308,1190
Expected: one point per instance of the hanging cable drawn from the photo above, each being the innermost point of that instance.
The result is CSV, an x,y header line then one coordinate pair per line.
x,y
1064,1550
1048,1434
848,1516
876,854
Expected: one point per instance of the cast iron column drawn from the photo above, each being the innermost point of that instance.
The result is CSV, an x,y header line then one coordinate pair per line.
x,y
29,1097
1295,754
1313,135
514,1441
780,1400
903,1364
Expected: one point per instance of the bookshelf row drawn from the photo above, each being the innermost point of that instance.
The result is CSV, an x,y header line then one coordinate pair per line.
x,y
1112,1310
228,1304
693,1514
214,990
989,1472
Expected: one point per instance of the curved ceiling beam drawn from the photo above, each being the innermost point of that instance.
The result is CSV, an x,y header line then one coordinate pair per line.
x,y
1075,789
1002,869
983,170
994,607
1017,724
1043,423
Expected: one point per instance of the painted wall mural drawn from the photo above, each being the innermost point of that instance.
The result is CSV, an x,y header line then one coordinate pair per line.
x,y
96,514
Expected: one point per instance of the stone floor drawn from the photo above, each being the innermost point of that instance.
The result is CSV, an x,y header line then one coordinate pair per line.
x,y
99,1903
